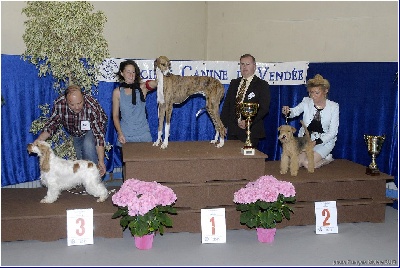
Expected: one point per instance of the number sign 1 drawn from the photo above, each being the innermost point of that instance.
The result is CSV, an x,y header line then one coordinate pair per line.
x,y
326,217
80,227
213,227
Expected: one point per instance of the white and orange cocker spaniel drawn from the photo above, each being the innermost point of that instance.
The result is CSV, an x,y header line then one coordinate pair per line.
x,y
58,174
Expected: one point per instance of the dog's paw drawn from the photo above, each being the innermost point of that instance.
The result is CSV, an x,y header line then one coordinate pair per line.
x,y
282,172
102,199
293,173
156,143
47,201
213,141
220,144
164,145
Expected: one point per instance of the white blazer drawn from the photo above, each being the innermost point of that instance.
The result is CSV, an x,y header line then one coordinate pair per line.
x,y
329,119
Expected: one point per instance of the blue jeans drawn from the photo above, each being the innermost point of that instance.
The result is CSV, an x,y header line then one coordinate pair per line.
x,y
85,147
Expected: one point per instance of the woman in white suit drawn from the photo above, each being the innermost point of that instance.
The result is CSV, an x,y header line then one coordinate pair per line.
x,y
321,116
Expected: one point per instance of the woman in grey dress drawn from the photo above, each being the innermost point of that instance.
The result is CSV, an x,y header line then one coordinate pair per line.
x,y
129,106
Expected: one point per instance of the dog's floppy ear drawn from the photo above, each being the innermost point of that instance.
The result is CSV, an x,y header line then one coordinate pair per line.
x,y
155,64
293,129
30,148
44,158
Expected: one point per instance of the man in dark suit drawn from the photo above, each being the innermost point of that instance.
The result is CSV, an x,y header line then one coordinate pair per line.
x,y
254,90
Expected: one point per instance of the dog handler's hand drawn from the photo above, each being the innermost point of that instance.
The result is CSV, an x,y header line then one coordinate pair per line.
x,y
242,124
121,138
102,169
285,110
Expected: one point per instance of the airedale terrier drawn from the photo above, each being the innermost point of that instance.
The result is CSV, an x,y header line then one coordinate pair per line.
x,y
292,147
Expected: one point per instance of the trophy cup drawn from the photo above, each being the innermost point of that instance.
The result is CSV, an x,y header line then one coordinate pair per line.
x,y
249,110
374,144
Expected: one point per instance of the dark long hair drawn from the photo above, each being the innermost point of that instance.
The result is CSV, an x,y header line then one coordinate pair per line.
x,y
122,66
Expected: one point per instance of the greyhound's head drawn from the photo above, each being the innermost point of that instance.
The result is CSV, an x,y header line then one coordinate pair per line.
x,y
163,64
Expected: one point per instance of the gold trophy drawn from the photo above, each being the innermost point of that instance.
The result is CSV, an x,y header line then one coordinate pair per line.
x,y
374,144
249,110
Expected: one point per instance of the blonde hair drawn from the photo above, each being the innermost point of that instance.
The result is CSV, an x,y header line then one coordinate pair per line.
x,y
318,81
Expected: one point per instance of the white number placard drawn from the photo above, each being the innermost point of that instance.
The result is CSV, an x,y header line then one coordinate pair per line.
x,y
326,217
80,227
213,226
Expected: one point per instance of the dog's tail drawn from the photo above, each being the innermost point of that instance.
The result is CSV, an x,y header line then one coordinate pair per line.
x,y
201,111
306,132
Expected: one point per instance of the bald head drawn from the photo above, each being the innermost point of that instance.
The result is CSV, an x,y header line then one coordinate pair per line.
x,y
74,99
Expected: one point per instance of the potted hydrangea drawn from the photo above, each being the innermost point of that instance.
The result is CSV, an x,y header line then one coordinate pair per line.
x,y
143,208
263,204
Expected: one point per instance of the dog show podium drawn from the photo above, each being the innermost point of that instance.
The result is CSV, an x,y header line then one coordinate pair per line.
x,y
201,175
359,197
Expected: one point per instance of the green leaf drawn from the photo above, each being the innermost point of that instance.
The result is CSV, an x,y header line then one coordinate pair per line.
x,y
286,212
161,230
168,221
152,221
120,212
251,223
277,216
242,207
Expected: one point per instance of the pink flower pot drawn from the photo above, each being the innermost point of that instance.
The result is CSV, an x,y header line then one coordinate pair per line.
x,y
266,235
144,242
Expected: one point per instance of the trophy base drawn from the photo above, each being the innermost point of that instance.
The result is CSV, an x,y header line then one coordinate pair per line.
x,y
248,151
372,172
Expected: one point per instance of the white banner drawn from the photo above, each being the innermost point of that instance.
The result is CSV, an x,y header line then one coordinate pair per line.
x,y
285,73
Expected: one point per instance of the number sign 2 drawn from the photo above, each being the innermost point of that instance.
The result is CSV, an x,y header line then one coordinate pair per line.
x,y
213,226
326,217
80,227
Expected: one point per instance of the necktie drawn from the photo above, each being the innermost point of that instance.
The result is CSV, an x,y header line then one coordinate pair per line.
x,y
239,98
317,115
133,87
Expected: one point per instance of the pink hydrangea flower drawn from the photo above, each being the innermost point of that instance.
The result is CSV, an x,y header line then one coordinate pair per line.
x,y
140,196
266,188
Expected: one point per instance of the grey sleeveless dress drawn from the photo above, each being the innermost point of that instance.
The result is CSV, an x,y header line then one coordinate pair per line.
x,y
133,122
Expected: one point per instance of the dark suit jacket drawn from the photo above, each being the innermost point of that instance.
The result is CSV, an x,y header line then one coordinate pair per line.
x,y
260,89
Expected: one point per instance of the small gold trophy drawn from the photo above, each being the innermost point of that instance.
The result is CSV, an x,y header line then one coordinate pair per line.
x,y
374,144
249,110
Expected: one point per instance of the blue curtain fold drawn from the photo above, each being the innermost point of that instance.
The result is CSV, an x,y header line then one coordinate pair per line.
x,y
366,92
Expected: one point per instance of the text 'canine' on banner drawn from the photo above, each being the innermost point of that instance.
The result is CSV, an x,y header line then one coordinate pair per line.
x,y
285,73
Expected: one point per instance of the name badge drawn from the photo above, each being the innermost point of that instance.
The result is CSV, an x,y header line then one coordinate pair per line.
x,y
85,125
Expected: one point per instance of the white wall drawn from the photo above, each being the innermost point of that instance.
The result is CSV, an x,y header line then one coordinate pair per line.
x,y
327,31
273,31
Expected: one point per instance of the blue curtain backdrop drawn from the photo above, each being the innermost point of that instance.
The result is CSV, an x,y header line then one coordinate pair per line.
x,y
366,92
